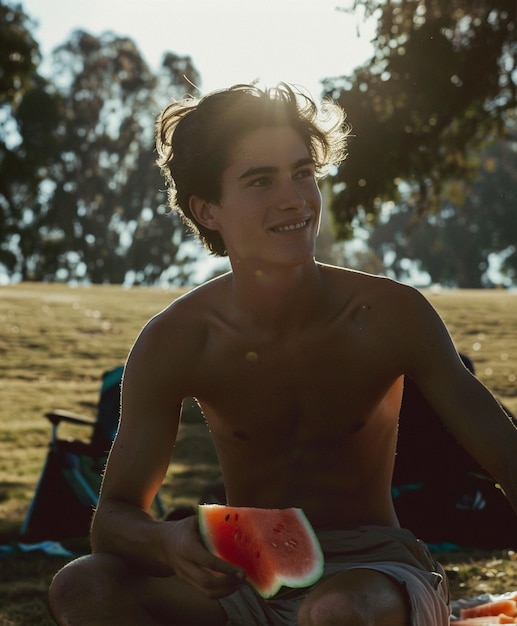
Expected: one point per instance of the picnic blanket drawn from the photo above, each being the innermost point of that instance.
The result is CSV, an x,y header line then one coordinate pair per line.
x,y
51,548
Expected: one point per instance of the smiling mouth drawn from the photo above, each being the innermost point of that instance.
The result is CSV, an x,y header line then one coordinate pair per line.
x,y
291,227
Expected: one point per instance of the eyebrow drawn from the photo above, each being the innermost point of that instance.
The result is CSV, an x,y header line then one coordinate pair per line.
x,y
270,169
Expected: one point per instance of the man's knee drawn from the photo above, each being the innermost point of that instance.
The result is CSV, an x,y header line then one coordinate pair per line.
x,y
68,581
355,598
73,587
330,609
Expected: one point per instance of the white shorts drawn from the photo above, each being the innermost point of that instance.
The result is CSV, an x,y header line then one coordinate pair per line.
x,y
393,551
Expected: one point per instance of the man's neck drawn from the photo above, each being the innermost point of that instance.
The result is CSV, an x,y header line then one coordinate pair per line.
x,y
278,299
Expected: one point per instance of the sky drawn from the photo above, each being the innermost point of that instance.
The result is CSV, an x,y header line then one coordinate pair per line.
x,y
229,41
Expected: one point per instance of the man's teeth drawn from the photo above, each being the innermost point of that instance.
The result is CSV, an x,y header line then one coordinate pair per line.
x,y
283,229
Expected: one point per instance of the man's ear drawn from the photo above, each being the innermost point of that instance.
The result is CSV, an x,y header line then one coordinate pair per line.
x,y
204,212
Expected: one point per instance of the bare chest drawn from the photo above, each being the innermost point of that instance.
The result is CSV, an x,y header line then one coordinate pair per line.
x,y
308,386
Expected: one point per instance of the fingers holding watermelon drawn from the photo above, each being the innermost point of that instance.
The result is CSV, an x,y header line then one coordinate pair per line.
x,y
217,584
191,561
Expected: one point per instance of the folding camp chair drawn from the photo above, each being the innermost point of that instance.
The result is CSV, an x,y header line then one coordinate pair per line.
x,y
67,491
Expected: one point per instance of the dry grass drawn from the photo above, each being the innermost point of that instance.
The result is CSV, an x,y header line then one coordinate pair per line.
x,y
55,341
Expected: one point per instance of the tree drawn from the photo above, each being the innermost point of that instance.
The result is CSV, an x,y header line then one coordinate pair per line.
x,y
442,80
105,186
19,53
19,58
93,205
454,245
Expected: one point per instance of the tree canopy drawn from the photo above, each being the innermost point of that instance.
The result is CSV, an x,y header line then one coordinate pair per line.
x,y
439,88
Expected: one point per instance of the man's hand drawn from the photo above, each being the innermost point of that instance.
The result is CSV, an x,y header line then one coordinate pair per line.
x,y
191,561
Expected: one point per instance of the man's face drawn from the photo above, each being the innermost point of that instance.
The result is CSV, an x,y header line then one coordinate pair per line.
x,y
270,203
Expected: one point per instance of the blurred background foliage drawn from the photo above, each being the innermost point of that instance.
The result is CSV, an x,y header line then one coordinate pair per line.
x,y
426,195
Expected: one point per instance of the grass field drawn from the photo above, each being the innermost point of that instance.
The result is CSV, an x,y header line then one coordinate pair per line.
x,y
55,341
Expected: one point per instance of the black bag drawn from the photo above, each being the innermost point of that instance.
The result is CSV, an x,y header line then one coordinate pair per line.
x,y
439,491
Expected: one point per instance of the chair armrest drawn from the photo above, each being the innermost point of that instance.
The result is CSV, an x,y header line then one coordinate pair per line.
x,y
55,417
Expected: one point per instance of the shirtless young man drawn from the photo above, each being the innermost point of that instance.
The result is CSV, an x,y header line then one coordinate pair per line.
x,y
299,370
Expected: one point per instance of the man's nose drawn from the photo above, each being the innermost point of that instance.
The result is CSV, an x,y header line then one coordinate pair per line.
x,y
291,196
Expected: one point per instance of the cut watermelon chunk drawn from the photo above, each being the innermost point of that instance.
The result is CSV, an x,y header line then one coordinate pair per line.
x,y
495,608
275,547
489,620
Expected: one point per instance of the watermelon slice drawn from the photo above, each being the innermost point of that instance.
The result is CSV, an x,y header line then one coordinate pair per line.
x,y
274,547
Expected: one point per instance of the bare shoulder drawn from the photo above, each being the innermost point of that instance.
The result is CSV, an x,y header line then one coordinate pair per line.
x,y
191,309
180,330
375,290
397,317
395,324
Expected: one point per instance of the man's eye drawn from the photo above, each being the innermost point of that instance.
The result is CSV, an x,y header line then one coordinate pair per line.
x,y
260,182
306,172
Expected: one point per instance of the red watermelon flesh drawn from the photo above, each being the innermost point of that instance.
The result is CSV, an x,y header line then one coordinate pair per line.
x,y
275,547
506,607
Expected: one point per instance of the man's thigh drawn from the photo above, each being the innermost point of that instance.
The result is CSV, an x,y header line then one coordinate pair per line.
x,y
356,596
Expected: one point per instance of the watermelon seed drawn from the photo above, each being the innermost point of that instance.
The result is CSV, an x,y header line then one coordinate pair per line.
x,y
236,516
227,517
275,545
290,544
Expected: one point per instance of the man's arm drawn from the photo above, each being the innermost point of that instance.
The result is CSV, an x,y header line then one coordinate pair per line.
x,y
154,379
467,408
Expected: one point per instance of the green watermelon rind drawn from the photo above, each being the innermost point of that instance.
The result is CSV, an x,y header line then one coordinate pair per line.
x,y
309,578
